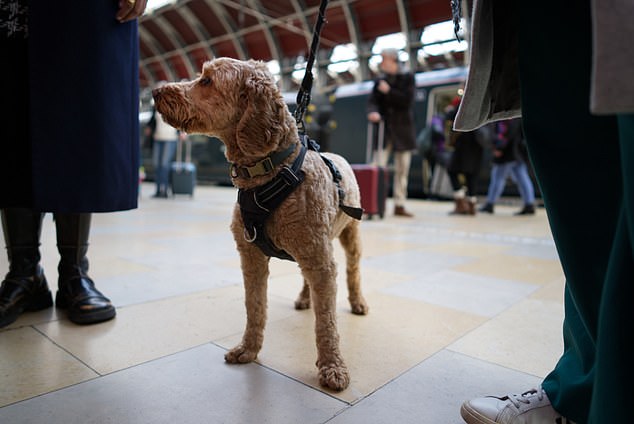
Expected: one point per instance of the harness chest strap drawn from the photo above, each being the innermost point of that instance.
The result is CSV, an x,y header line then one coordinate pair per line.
x,y
257,204
351,211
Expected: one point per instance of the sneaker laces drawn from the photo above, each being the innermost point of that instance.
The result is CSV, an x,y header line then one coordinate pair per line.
x,y
526,397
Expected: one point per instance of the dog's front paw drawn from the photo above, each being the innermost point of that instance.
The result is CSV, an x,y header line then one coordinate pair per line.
x,y
334,377
359,306
240,355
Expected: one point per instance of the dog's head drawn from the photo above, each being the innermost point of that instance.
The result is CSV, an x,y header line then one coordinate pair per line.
x,y
234,100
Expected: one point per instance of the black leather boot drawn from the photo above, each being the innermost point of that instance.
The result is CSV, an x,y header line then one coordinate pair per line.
x,y
487,207
76,291
24,288
528,209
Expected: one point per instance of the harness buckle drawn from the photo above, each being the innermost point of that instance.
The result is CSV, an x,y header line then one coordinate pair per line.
x,y
289,177
263,167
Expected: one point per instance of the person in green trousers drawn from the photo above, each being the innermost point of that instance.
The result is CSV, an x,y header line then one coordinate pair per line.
x,y
568,70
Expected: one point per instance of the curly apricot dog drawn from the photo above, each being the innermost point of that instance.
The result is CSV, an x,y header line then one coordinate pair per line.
x,y
239,102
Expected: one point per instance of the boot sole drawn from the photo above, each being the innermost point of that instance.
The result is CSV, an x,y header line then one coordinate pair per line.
x,y
85,318
92,318
39,302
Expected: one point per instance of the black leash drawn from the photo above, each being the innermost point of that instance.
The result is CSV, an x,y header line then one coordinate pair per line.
x,y
456,16
303,100
257,204
303,96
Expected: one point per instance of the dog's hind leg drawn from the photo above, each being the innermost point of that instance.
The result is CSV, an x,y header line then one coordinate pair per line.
x,y
320,271
351,241
255,271
303,299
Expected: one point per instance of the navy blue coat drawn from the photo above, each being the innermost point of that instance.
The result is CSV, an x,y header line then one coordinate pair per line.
x,y
75,78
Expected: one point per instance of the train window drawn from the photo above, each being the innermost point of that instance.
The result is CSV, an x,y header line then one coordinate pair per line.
x,y
440,98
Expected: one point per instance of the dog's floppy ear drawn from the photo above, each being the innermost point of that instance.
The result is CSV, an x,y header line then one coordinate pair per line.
x,y
259,129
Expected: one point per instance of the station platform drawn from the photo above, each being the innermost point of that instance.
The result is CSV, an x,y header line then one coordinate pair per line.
x,y
460,307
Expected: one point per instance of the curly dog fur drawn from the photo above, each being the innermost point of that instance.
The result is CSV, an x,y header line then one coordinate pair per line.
x,y
239,103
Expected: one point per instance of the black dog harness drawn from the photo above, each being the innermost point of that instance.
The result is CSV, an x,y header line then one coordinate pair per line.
x,y
257,204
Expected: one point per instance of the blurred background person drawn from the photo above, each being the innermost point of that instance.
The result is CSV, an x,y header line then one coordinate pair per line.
x,y
164,142
464,163
392,100
510,158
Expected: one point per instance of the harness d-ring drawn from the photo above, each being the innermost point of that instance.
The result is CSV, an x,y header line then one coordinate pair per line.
x,y
250,239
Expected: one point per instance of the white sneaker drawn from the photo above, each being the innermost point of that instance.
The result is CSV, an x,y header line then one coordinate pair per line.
x,y
532,407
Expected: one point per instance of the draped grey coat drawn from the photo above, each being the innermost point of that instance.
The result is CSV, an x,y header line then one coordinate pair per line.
x,y
492,89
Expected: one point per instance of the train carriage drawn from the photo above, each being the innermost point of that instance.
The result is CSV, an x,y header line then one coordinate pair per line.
x,y
337,120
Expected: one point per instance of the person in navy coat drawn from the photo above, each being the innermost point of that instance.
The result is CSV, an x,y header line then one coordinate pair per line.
x,y
71,145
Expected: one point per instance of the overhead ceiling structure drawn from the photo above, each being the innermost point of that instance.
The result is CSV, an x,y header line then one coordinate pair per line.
x,y
178,37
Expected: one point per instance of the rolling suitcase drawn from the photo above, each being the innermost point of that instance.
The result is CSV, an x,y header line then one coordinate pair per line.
x,y
373,179
183,172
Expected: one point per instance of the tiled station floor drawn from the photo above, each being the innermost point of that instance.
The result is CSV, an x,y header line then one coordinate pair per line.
x,y
459,307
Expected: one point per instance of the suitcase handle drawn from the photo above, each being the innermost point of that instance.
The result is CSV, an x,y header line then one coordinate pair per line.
x,y
380,151
188,150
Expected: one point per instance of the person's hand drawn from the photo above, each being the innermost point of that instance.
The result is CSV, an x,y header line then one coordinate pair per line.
x,y
383,87
374,116
130,9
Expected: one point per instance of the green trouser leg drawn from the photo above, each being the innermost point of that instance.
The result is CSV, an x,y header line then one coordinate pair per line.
x,y
614,369
583,175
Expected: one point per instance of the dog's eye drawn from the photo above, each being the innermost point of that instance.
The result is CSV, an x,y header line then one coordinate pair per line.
x,y
205,81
